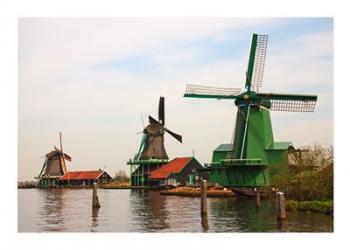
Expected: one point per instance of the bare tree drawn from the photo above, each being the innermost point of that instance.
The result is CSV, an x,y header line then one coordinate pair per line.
x,y
315,157
121,176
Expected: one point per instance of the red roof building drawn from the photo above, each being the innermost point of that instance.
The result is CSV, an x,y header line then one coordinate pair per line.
x,y
180,171
175,166
85,177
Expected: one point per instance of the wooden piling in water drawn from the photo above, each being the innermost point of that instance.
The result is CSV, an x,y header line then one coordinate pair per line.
x,y
95,202
204,187
280,206
257,197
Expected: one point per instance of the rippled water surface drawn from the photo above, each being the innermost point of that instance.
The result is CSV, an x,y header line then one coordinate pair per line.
x,y
69,210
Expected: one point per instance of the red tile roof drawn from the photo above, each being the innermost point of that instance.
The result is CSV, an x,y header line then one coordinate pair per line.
x,y
175,166
82,175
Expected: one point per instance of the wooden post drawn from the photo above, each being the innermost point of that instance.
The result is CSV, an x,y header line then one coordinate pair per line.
x,y
95,202
280,206
257,197
204,187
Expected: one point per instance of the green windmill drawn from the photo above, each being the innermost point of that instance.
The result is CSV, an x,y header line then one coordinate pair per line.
x,y
252,153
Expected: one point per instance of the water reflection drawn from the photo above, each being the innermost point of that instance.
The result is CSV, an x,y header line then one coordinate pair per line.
x,y
148,209
252,219
204,222
51,210
282,225
94,217
70,210
223,214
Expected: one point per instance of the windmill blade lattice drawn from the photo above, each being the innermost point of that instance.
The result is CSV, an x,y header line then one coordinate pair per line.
x,y
259,62
293,106
291,103
210,92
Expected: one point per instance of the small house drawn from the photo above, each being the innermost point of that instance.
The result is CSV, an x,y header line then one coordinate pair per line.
x,y
179,171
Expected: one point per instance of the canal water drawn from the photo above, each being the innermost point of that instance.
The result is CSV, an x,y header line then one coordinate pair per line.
x,y
69,210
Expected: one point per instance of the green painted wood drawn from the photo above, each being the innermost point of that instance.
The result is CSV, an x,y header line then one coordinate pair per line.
x,y
232,97
287,97
251,62
258,96
254,176
239,132
259,135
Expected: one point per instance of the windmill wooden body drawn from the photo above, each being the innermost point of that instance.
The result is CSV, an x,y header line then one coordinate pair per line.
x,y
151,154
246,161
54,167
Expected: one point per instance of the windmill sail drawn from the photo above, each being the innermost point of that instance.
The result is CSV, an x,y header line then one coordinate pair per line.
x,y
152,120
155,122
63,163
200,91
176,136
54,163
290,102
67,157
256,63
152,145
161,112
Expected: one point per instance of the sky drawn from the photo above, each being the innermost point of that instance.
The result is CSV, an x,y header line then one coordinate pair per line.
x,y
93,79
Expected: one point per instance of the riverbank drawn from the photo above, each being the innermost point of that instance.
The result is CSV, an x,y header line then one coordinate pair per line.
x,y
27,184
310,206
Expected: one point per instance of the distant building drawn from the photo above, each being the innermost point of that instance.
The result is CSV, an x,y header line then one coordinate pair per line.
x,y
180,171
53,168
54,172
84,178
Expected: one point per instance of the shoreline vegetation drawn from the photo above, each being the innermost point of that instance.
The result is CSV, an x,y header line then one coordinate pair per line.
x,y
308,180
310,206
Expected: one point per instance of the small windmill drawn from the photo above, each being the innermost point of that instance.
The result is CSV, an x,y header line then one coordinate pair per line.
x,y
151,154
54,166
152,145
244,162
